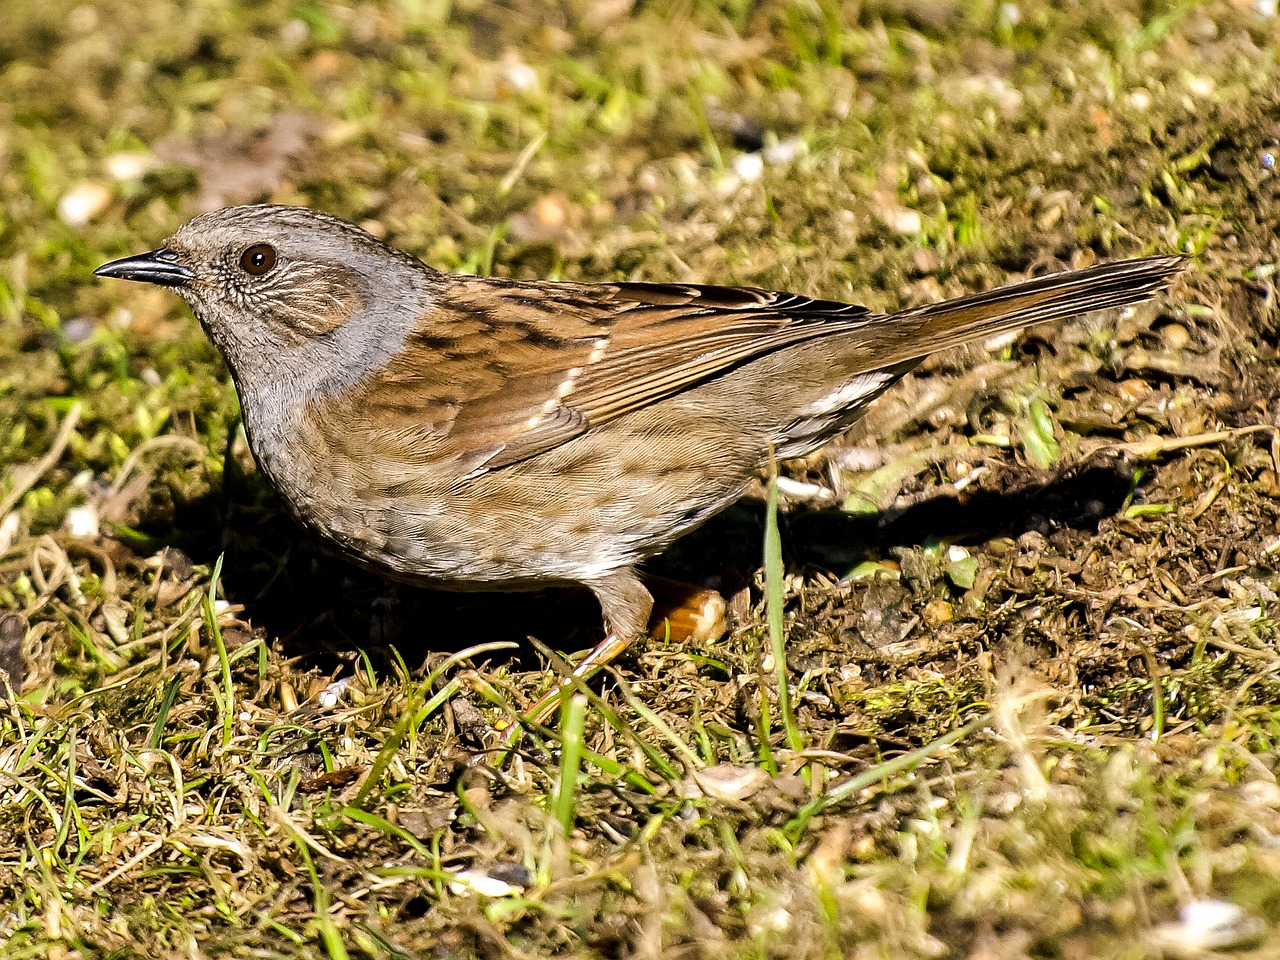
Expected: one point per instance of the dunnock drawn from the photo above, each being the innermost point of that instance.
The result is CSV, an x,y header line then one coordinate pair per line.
x,y
478,433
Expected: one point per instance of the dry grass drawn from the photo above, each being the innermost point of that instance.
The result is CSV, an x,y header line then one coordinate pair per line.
x,y
1028,703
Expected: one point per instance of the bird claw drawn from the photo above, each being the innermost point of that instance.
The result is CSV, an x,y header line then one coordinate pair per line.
x,y
600,656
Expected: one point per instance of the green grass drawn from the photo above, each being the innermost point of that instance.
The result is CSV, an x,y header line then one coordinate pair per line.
x,y
1049,741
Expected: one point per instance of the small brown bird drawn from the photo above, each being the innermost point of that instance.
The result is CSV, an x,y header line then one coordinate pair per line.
x,y
477,433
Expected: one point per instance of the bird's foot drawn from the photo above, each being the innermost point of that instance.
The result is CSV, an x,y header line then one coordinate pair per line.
x,y
681,612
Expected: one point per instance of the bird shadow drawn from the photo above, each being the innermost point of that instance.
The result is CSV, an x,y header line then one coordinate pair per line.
x,y
321,609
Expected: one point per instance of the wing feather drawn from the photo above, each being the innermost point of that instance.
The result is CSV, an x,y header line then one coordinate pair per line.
x,y
530,366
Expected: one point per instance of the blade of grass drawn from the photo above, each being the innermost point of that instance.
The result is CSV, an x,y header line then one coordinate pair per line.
x,y
166,704
228,699
69,809
573,719
387,827
330,935
442,696
773,580
611,717
410,716
45,463
658,723
881,771
1157,691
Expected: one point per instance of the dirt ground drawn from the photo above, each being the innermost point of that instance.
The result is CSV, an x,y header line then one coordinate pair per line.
x,y
1029,602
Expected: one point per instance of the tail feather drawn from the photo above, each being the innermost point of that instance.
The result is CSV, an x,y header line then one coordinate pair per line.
x,y
915,333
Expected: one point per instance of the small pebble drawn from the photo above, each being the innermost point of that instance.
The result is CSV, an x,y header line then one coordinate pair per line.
x,y
78,329
551,211
82,203
1140,100
82,521
330,695
1131,391
1210,924
748,166
785,151
549,217
902,221
937,612
516,76
766,920
726,781
478,881
294,33
130,164
1200,86
1175,336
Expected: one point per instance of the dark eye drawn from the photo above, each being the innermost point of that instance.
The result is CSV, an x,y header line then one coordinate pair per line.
x,y
258,259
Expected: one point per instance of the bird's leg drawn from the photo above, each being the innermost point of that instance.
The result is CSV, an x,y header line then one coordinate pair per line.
x,y
682,612
626,606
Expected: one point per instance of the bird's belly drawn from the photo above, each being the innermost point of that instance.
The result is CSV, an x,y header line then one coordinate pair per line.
x,y
548,520
441,543
446,545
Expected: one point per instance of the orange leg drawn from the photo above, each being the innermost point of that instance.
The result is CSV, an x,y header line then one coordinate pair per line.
x,y
680,612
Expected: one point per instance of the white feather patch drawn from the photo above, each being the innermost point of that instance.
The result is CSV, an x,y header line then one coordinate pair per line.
x,y
847,395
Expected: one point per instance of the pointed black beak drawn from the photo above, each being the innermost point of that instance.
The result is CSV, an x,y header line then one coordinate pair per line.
x,y
159,266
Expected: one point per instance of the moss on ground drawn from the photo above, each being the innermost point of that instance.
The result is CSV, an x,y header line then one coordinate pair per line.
x,y
1031,663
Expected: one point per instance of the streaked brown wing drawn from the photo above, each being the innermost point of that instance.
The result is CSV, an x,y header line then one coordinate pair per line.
x,y
590,354
533,365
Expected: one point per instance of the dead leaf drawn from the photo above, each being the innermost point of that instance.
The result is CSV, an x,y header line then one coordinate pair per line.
x,y
725,781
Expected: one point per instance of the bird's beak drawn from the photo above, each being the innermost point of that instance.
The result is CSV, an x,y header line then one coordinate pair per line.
x,y
159,266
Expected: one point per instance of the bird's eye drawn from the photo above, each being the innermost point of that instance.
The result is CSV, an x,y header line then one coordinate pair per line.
x,y
258,259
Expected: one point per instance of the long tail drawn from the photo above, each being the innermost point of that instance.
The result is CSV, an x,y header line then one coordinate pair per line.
x,y
915,333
